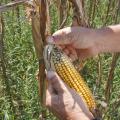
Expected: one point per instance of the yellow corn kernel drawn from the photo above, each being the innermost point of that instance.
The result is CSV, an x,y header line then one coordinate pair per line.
x,y
66,70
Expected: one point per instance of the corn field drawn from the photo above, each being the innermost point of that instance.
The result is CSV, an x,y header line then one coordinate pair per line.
x,y
24,25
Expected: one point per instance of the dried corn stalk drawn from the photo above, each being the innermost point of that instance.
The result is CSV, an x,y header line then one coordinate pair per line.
x,y
40,28
109,84
63,9
79,17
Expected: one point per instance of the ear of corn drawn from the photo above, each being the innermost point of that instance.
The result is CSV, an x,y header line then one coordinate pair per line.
x,y
66,70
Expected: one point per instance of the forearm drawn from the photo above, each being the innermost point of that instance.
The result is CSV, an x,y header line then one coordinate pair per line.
x,y
108,39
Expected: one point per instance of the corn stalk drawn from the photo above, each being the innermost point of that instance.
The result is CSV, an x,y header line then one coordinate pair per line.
x,y
40,24
63,9
79,17
110,77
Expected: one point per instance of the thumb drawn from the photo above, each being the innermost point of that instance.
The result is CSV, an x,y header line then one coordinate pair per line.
x,y
61,37
55,82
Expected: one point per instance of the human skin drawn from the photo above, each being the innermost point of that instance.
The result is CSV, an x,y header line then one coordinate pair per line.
x,y
85,42
81,43
64,102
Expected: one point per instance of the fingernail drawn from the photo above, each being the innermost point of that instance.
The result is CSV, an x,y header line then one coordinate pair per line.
x,y
50,39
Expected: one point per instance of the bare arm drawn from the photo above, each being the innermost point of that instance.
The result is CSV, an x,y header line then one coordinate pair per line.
x,y
87,42
108,39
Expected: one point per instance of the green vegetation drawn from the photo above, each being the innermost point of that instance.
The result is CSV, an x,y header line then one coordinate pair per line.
x,y
19,98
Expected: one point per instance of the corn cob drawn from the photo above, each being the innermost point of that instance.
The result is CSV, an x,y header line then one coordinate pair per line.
x,y
61,63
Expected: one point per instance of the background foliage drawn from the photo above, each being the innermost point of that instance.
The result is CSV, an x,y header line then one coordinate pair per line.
x,y
18,86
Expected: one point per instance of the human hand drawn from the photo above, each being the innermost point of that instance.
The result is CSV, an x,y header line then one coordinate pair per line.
x,y
77,42
64,102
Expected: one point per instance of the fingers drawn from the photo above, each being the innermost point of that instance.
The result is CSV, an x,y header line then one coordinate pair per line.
x,y
57,85
61,37
72,53
55,89
50,97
